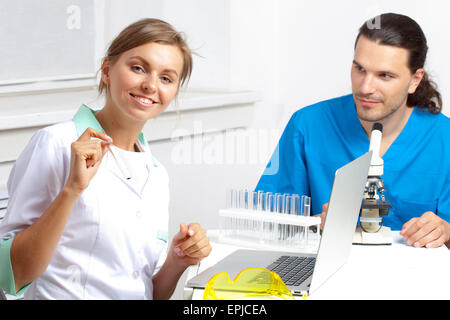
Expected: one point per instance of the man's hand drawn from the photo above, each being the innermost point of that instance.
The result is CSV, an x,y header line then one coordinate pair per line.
x,y
323,215
428,231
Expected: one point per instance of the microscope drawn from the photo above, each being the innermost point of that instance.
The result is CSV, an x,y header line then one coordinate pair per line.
x,y
374,205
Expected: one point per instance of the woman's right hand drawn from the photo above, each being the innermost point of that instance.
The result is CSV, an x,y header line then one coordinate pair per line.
x,y
86,156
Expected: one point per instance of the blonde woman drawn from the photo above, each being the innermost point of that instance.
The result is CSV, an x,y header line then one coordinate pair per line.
x,y
88,209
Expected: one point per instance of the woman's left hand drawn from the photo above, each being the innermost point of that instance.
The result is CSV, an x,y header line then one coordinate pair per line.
x,y
190,245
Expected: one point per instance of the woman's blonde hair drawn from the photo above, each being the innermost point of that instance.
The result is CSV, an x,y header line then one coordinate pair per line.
x,y
145,31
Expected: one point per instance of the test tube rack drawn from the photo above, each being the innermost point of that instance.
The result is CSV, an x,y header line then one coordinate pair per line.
x,y
258,219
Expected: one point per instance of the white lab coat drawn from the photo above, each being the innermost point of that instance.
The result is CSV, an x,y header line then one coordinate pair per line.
x,y
112,243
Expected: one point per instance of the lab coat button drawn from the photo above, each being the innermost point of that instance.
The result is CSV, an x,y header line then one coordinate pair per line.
x,y
139,214
135,274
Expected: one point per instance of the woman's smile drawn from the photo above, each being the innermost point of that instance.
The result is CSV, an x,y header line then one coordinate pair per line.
x,y
142,100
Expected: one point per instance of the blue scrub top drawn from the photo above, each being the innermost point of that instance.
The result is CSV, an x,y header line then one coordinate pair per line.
x,y
323,137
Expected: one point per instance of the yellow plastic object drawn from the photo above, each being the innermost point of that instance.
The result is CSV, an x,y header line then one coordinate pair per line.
x,y
249,283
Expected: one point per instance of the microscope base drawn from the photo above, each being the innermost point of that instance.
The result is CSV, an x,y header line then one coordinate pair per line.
x,y
381,237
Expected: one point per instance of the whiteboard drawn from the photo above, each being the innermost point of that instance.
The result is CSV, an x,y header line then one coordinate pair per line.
x,y
46,40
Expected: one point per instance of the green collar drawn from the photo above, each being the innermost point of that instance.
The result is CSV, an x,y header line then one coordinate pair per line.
x,y
85,118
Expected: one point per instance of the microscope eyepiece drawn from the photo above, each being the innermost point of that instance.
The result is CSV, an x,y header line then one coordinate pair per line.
x,y
377,126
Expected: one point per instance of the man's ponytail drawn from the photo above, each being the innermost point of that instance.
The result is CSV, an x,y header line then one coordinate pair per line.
x,y
426,96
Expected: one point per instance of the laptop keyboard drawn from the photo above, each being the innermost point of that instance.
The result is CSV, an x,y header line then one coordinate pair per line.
x,y
293,270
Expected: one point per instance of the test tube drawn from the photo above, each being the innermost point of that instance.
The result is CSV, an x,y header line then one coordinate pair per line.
x,y
294,210
306,211
266,207
242,203
288,210
232,201
246,199
306,206
254,200
252,205
270,205
279,203
286,199
261,199
287,204
294,207
279,208
269,202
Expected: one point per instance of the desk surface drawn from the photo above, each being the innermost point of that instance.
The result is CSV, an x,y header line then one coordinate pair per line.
x,y
397,271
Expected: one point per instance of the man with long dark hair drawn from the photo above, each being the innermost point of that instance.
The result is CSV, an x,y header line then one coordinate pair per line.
x,y
389,86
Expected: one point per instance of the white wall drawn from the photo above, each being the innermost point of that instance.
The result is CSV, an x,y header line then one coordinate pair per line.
x,y
206,26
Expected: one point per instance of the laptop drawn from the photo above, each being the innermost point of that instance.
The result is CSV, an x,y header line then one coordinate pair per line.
x,y
305,273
